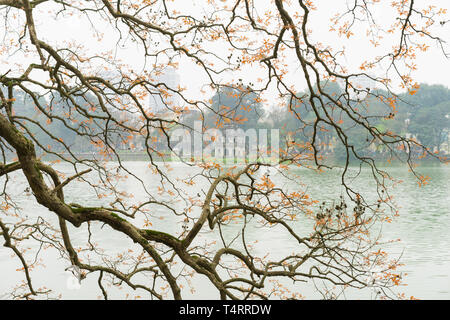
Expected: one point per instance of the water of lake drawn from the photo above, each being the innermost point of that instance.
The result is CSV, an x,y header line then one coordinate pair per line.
x,y
423,226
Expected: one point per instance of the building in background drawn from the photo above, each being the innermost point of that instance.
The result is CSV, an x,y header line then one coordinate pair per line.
x,y
162,98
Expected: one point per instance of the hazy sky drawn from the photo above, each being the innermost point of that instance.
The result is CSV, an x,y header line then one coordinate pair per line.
x,y
432,66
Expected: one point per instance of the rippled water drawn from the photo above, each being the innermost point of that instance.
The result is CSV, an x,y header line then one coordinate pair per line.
x,y
423,226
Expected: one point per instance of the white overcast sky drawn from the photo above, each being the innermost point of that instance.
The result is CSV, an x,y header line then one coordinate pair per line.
x,y
433,67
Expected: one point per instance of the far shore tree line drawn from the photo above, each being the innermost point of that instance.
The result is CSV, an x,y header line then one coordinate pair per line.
x,y
423,115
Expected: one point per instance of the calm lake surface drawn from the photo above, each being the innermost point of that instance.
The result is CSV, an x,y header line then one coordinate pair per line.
x,y
423,227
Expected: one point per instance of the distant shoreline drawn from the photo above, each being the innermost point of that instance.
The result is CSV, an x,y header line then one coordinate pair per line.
x,y
142,156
